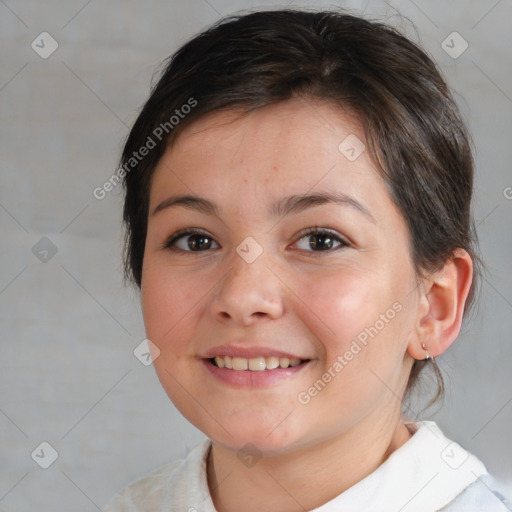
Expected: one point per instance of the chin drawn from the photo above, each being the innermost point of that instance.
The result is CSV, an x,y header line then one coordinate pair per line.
x,y
252,436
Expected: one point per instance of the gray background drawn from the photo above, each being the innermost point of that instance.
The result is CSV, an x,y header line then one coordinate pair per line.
x,y
68,375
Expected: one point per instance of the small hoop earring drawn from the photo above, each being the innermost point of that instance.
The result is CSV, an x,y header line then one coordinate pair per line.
x,y
424,347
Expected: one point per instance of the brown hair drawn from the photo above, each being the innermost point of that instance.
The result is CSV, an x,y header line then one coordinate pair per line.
x,y
415,132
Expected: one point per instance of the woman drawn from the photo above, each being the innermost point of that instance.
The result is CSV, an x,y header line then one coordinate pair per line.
x,y
298,212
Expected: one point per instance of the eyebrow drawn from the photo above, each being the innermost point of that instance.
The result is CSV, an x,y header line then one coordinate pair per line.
x,y
284,206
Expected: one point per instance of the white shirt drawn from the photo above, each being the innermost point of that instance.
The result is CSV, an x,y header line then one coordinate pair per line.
x,y
427,473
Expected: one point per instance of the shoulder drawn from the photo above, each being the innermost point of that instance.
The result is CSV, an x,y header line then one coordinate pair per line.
x,y
139,492
460,481
162,486
480,496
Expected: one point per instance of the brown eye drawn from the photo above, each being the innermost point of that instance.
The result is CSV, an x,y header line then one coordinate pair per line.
x,y
190,240
321,240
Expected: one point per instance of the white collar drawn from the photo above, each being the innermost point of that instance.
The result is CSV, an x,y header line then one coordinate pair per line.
x,y
423,475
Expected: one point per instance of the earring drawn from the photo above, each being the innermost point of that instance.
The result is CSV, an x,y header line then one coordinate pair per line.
x,y
424,347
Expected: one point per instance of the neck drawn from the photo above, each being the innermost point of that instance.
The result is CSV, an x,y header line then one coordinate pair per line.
x,y
304,479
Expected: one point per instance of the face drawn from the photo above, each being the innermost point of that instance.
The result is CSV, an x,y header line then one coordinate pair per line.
x,y
253,274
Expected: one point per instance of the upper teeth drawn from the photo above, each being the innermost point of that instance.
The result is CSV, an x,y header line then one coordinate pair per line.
x,y
256,364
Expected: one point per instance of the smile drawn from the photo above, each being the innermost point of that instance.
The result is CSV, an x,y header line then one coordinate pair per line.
x,y
255,364
255,372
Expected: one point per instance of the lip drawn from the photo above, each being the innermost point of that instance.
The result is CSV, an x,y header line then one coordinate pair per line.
x,y
248,352
248,378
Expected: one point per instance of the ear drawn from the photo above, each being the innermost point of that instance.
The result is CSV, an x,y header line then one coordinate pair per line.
x,y
441,307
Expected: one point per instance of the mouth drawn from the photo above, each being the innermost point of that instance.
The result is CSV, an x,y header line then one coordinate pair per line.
x,y
252,365
256,364
256,372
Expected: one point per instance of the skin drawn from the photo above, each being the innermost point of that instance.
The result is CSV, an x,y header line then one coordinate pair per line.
x,y
309,302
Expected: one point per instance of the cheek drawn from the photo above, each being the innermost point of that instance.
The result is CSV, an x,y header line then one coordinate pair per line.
x,y
168,300
344,304
169,306
359,320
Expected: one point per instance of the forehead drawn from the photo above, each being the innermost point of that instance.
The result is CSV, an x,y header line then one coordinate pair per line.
x,y
291,147
304,126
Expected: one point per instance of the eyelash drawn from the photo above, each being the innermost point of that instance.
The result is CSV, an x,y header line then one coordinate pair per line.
x,y
169,244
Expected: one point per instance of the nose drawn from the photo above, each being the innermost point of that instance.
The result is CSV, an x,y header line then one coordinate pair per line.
x,y
249,292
